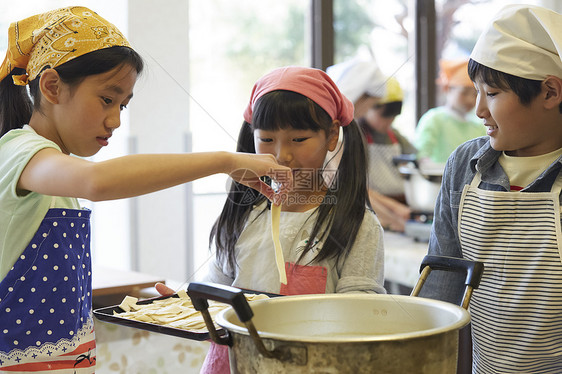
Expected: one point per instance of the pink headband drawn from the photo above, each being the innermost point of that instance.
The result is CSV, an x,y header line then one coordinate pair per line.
x,y
312,83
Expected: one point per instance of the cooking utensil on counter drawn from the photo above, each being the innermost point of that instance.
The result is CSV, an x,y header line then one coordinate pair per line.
x,y
421,182
340,333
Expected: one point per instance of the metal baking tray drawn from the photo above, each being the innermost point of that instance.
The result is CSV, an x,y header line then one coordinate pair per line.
x,y
106,315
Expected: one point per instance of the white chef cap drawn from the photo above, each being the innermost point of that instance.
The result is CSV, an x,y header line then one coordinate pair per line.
x,y
522,40
357,77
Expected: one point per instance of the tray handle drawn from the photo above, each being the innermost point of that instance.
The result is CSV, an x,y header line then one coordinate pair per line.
x,y
473,270
200,292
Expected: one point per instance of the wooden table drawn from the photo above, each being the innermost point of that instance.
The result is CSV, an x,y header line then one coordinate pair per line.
x,y
107,281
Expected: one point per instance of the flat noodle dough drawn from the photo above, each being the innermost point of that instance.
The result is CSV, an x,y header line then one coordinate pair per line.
x,y
279,259
177,312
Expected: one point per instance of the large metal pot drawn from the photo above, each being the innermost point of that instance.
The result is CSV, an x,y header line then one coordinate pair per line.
x,y
336,333
421,183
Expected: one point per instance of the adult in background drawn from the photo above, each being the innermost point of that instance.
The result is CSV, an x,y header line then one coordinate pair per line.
x,y
378,101
442,129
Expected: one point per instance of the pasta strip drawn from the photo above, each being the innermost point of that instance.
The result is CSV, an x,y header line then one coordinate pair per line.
x,y
279,259
177,312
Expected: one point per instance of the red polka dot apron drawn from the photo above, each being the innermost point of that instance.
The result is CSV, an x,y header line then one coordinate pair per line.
x,y
46,300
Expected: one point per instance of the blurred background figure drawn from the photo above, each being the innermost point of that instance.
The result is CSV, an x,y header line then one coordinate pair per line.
x,y
442,129
378,100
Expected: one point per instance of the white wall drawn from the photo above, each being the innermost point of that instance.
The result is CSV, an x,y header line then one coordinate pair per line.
x,y
158,30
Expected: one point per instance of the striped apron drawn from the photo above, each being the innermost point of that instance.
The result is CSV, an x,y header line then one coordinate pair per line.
x,y
517,310
46,322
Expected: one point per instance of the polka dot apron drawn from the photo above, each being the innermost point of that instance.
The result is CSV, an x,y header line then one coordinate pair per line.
x,y
46,300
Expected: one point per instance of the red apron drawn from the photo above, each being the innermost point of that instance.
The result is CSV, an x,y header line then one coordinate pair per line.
x,y
301,280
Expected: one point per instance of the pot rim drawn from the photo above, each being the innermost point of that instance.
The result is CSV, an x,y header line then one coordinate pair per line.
x,y
462,315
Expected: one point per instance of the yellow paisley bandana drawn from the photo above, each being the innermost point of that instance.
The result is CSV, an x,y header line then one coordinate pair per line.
x,y
50,39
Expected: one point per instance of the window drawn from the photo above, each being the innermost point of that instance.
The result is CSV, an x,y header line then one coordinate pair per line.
x,y
384,30
460,23
232,44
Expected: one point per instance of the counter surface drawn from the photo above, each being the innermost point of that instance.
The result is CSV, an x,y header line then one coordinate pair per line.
x,y
402,258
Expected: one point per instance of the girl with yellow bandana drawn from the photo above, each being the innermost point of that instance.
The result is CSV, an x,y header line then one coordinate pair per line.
x,y
81,71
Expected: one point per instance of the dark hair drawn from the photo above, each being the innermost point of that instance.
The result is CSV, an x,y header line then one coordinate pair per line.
x,y
345,202
391,109
16,105
525,89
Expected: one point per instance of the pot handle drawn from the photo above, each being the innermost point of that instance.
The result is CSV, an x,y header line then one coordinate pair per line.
x,y
473,270
200,292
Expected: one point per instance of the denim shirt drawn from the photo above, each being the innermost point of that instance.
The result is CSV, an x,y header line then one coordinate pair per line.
x,y
474,155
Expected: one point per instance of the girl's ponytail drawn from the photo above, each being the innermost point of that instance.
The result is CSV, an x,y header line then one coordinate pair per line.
x,y
352,169
15,104
349,193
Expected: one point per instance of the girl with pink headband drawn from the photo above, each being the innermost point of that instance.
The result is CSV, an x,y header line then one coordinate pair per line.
x,y
330,237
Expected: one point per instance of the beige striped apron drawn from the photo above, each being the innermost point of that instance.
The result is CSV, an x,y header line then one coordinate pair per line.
x,y
517,311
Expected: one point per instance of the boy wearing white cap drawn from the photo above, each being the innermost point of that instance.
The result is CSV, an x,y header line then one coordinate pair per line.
x,y
500,198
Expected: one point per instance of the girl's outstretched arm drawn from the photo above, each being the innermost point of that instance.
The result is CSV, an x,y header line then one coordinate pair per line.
x,y
51,172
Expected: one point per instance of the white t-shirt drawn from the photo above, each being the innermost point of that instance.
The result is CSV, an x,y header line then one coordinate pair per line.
x,y
362,270
21,215
522,171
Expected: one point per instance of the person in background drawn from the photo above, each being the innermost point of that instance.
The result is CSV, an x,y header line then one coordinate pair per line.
x,y
442,129
80,71
501,195
295,114
378,100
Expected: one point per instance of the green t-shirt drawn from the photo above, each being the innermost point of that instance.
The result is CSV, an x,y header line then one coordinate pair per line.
x,y
440,132
21,215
